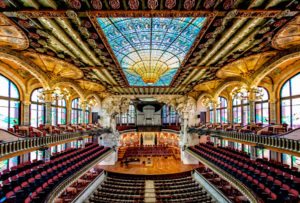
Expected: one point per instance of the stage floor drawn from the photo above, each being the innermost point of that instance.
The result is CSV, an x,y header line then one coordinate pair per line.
x,y
160,165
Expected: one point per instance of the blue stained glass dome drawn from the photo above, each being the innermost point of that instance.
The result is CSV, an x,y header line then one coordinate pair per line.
x,y
150,50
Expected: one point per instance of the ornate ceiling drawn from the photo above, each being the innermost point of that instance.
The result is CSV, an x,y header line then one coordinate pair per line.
x,y
213,40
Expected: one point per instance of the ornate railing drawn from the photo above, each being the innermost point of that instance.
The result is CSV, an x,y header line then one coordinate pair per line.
x,y
262,140
36,142
226,176
70,180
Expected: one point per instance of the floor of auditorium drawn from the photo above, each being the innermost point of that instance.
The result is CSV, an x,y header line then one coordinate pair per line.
x,y
160,165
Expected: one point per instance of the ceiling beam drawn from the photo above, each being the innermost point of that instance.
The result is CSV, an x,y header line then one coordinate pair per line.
x,y
142,13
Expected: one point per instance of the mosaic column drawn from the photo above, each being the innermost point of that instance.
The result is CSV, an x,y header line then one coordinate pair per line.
x,y
83,107
229,111
48,101
26,112
252,106
272,103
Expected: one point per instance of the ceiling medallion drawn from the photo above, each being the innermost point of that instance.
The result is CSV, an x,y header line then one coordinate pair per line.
x,y
115,4
97,4
170,4
75,4
133,4
189,4
152,4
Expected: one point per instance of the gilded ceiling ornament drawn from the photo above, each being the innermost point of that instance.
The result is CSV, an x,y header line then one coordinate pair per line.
x,y
76,4
152,4
189,4
115,4
133,4
24,23
2,4
228,4
33,35
97,4
209,3
170,4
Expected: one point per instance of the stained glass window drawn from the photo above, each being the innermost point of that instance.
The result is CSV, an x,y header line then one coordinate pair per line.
x,y
128,117
150,50
241,111
169,115
9,104
290,102
76,114
262,108
222,110
37,109
59,111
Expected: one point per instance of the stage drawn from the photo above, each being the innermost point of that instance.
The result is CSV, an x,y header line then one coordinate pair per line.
x,y
159,165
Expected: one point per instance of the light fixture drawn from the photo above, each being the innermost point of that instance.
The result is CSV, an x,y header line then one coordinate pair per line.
x,y
208,102
56,94
243,93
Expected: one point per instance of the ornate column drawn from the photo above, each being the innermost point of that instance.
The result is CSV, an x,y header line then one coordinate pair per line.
x,y
83,106
215,105
229,111
252,98
69,111
273,117
48,101
26,110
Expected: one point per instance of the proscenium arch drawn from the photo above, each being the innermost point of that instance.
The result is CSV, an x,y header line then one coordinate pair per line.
x,y
23,62
266,69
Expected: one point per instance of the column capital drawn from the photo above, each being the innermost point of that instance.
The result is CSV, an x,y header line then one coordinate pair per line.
x,y
26,103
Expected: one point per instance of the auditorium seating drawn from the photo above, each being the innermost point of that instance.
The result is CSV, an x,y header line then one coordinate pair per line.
x,y
180,189
148,151
132,188
33,180
224,186
270,183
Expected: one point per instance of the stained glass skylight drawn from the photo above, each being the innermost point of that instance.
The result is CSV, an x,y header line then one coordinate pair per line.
x,y
150,50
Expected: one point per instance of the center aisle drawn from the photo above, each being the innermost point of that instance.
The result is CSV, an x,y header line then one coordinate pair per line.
x,y
150,196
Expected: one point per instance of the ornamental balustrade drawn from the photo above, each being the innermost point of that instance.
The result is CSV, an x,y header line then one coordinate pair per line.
x,y
271,141
37,142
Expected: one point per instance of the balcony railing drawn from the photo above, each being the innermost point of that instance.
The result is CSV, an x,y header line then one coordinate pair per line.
x,y
36,142
271,141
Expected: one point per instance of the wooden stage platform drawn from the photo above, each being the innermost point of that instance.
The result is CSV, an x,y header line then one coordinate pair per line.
x,y
160,165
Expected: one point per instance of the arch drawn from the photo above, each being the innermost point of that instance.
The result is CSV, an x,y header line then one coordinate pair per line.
x,y
227,83
10,110
70,83
16,79
97,97
268,67
27,65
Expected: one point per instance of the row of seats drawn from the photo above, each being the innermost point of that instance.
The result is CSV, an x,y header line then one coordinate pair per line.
x,y
148,151
269,187
119,188
224,186
39,182
180,189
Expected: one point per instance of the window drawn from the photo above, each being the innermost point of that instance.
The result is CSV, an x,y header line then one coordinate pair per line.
x,y
241,111
9,104
221,116
290,102
59,111
128,117
37,109
76,114
170,116
262,108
